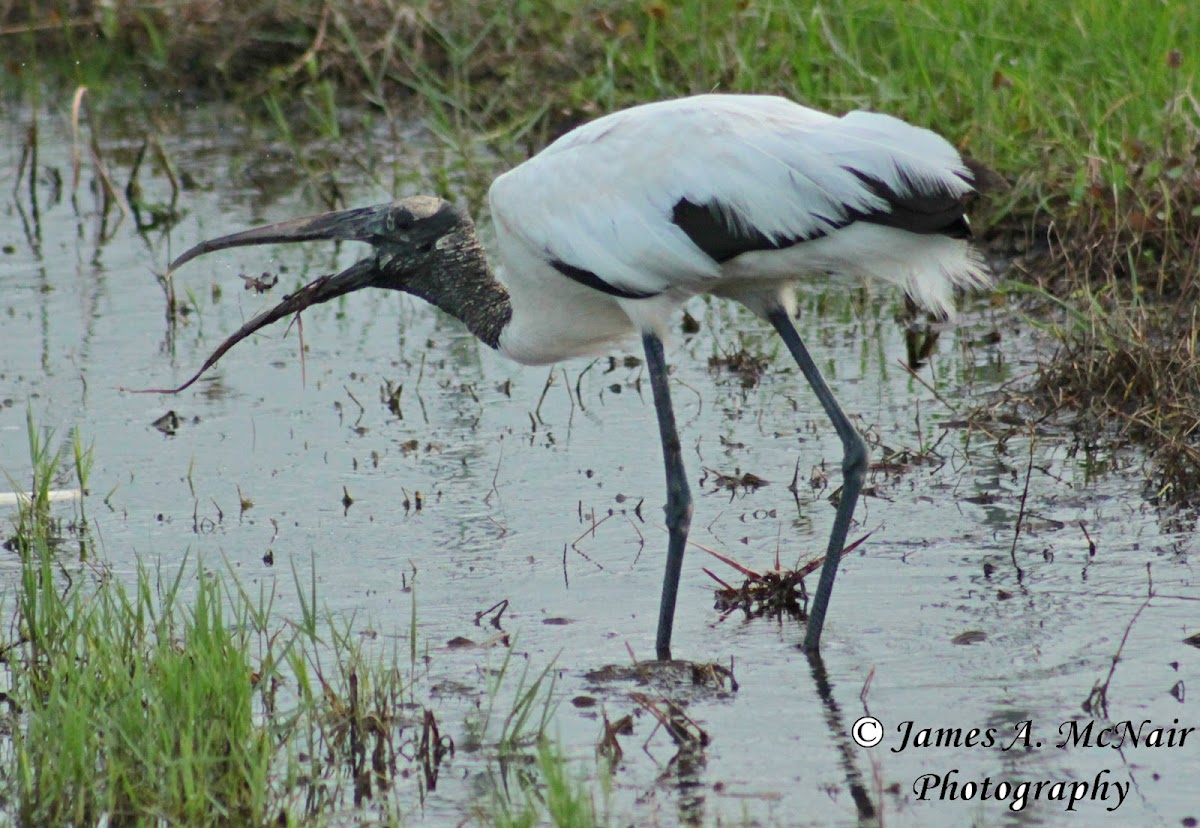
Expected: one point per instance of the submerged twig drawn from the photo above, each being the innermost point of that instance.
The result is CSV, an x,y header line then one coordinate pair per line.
x,y
928,387
1098,698
1021,511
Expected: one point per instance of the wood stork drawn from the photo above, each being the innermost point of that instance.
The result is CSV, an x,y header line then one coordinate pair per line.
x,y
607,231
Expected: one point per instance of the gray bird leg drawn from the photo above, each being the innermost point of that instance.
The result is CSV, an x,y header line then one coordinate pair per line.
x,y
854,472
679,499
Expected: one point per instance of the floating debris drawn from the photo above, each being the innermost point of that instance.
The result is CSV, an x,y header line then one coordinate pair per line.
x,y
745,481
748,366
18,498
168,423
259,284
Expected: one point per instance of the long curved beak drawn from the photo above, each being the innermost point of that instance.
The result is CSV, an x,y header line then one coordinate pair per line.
x,y
361,224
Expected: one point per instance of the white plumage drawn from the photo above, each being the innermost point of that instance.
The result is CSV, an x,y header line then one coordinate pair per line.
x,y
600,198
609,229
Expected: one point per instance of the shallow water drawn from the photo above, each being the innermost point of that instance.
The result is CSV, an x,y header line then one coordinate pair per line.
x,y
512,487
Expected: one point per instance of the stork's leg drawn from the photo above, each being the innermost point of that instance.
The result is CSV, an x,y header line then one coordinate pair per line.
x,y
854,472
679,499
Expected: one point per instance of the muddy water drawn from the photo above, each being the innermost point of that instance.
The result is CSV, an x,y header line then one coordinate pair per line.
x,y
930,626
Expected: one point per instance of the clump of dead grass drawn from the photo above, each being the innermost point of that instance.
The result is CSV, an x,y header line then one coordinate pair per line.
x,y
771,593
1118,287
1135,377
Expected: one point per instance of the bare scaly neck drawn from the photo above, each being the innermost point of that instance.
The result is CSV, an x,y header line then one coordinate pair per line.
x,y
459,281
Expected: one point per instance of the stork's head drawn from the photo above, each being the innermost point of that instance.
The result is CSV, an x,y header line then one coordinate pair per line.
x,y
416,242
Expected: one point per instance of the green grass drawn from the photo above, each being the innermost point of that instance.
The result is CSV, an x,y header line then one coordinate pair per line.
x,y
550,795
178,697
135,704
164,701
1059,97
